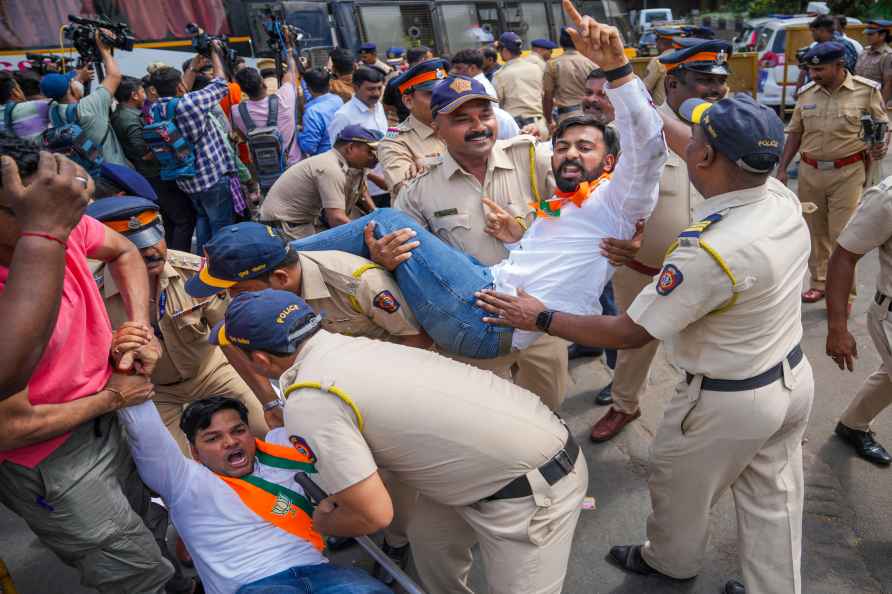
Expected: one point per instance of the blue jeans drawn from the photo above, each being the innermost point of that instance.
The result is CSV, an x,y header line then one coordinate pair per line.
x,y
213,210
438,281
317,579
608,308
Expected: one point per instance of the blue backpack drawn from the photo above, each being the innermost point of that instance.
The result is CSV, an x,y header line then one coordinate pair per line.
x,y
68,138
7,118
171,148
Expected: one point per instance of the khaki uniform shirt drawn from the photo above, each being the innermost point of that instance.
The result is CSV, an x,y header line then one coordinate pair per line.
x,y
654,76
830,122
342,86
354,296
446,199
871,227
322,181
765,242
411,141
565,78
875,64
455,433
537,60
185,322
519,85
675,207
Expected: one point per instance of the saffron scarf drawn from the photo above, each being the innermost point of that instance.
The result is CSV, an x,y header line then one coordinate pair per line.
x,y
551,207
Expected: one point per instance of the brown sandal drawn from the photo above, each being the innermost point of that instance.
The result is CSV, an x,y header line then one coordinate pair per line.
x,y
812,296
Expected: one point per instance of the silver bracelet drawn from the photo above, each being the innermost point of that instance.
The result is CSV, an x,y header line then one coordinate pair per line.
x,y
273,404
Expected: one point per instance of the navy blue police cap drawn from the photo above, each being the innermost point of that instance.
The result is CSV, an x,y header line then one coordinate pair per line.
x,y
698,32
749,134
236,253
543,43
454,91
128,179
269,320
511,41
668,32
423,76
827,52
709,57
368,47
877,25
135,218
356,133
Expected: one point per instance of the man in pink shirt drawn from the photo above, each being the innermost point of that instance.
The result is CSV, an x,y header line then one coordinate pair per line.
x,y
64,466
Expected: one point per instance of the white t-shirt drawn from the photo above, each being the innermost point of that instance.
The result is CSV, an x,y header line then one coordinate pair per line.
x,y
229,543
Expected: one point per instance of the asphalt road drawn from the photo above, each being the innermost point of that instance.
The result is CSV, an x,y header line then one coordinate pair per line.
x,y
847,521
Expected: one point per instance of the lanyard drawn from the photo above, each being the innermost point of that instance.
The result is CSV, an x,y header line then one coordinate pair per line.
x,y
162,308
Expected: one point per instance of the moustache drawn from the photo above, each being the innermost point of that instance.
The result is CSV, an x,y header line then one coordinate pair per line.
x,y
153,259
475,135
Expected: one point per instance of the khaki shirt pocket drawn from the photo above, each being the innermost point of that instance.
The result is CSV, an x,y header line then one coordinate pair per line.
x,y
452,228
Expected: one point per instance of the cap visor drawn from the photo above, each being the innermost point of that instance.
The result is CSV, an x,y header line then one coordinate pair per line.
x,y
146,237
205,285
217,337
455,104
693,109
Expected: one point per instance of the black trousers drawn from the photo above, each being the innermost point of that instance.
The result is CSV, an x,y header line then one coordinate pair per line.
x,y
177,212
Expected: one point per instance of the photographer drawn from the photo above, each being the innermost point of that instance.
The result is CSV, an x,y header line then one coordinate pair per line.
x,y
209,188
92,113
29,118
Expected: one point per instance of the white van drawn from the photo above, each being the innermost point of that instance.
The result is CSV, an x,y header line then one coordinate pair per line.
x,y
643,20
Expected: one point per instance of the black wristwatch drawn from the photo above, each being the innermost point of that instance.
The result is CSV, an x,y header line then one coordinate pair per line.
x,y
543,320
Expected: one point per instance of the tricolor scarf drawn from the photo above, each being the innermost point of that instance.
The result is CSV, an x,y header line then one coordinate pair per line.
x,y
276,504
551,207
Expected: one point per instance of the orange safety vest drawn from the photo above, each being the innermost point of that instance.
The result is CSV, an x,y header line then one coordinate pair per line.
x,y
276,504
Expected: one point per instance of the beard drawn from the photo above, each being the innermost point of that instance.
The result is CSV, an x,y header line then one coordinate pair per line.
x,y
570,184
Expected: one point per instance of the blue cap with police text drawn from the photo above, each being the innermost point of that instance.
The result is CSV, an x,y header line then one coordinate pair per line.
x,y
268,320
55,85
368,47
356,133
422,76
454,91
238,252
709,57
135,218
827,52
511,41
129,180
543,43
746,132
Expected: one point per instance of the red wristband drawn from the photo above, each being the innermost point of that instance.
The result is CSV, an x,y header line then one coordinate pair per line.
x,y
44,236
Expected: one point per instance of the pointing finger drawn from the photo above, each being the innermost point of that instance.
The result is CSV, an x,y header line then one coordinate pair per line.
x,y
9,171
570,11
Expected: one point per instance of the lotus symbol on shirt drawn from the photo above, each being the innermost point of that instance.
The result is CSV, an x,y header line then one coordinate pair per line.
x,y
283,506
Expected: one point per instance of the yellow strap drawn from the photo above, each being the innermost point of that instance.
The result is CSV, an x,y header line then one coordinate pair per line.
x,y
722,264
332,389
534,185
357,274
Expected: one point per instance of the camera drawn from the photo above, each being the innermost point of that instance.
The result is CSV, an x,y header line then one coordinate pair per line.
x,y
275,28
873,133
45,63
202,43
82,33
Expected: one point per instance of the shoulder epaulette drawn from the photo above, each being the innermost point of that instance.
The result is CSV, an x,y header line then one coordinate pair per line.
x,y
184,260
867,81
806,86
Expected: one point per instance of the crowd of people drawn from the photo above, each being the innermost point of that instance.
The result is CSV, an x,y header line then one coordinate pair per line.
x,y
216,276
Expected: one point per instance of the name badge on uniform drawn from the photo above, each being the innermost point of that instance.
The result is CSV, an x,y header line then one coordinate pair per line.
x,y
810,106
392,133
446,213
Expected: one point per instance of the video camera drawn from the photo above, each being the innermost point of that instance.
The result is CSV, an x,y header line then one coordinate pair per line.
x,y
82,33
202,43
873,132
276,29
44,63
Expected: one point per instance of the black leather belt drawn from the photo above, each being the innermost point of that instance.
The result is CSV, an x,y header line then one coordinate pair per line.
x,y
569,109
879,298
763,379
554,470
521,121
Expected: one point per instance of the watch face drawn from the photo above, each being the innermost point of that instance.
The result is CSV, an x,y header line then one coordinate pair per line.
x,y
543,320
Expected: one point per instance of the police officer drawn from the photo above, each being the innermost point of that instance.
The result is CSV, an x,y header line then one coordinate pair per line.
x,y
826,127
875,62
564,82
540,52
190,368
325,190
447,200
655,73
700,71
519,85
869,228
412,145
516,487
727,299
368,55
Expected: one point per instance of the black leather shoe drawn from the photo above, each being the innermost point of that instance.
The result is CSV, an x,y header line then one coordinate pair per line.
x,y
865,445
400,556
629,557
605,396
733,587
574,351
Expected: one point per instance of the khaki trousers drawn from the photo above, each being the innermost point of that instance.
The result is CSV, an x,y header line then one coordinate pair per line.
x,y
84,503
632,365
749,442
540,368
836,193
524,542
876,392
224,381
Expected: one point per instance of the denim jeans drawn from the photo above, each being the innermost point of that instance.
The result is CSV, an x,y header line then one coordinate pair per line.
x,y
214,210
438,281
317,579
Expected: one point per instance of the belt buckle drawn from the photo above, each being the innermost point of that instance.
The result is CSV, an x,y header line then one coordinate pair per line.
x,y
563,460
826,165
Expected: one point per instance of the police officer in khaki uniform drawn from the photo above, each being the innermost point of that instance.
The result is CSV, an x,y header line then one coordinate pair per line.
x,y
564,81
447,200
540,52
413,145
700,70
727,301
869,228
325,190
189,368
875,63
368,56
516,489
826,127
519,85
655,74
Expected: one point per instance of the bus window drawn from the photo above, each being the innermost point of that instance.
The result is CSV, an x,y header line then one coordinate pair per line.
x,y
379,23
466,27
527,19
557,19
